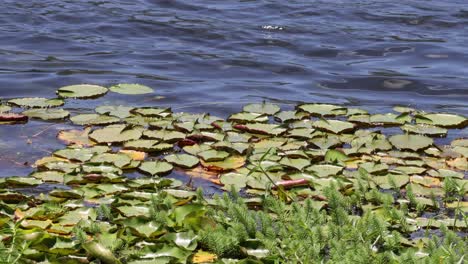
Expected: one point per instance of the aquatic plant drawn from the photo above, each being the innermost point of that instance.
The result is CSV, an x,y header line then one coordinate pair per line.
x,y
319,183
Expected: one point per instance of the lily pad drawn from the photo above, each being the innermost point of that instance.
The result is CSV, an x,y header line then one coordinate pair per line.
x,y
94,119
391,180
411,142
155,167
182,160
37,102
424,130
245,117
47,114
263,108
213,155
78,137
115,134
118,159
334,126
119,111
147,145
230,163
443,120
130,88
79,153
81,91
323,109
325,170
297,164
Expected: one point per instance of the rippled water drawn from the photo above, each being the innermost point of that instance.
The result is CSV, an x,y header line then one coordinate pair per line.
x,y
213,56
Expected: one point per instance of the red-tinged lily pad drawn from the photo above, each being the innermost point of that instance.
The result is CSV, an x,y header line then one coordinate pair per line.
x,y
13,118
76,137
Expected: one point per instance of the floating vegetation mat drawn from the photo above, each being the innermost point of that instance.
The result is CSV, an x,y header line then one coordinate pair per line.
x,y
320,183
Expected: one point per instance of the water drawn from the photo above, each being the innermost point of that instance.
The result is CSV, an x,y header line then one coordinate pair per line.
x,y
214,56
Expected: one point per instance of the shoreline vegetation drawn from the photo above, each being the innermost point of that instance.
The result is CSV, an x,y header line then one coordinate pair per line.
x,y
321,183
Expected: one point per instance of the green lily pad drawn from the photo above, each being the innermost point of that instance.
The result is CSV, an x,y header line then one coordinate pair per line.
x,y
297,164
461,142
213,155
100,168
49,176
443,120
334,126
323,109
118,159
155,167
80,154
325,170
119,111
22,181
289,116
130,88
81,91
4,108
182,160
47,114
115,134
147,145
235,178
424,130
267,129
391,180
100,252
63,166
374,168
69,194
263,108
132,211
165,135
152,111
229,163
411,142
245,117
94,119
37,102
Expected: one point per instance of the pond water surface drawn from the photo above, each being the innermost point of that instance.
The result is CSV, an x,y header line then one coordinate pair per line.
x,y
215,56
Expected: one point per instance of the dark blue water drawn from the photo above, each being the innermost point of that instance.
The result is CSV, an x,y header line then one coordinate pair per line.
x,y
214,56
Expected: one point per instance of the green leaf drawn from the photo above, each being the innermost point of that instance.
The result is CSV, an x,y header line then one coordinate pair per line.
x,y
118,159
325,170
119,111
213,155
115,134
323,109
412,142
155,167
100,252
443,120
93,119
129,88
182,160
36,102
298,164
47,114
424,129
81,91
334,126
263,108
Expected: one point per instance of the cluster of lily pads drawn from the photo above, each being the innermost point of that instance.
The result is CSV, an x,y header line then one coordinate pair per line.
x,y
262,149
